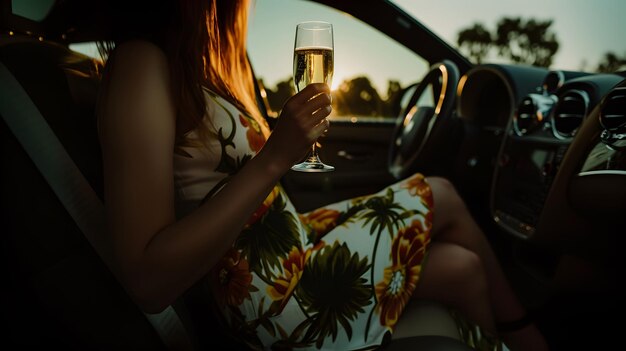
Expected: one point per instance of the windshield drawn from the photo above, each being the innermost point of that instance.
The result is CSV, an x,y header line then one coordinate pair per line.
x,y
562,34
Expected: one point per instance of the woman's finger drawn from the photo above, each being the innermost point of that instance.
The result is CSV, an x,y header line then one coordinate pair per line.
x,y
319,129
320,113
308,92
319,102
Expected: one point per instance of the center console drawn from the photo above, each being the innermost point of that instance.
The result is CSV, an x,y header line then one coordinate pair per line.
x,y
525,171
534,146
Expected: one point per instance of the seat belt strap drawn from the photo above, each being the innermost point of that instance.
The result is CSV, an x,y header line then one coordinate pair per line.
x,y
47,153
70,186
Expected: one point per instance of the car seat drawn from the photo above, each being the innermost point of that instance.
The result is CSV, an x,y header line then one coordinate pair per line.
x,y
58,291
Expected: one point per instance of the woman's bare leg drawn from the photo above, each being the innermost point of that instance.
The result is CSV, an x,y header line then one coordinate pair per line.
x,y
455,277
452,223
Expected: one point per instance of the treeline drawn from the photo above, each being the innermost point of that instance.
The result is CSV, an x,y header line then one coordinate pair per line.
x,y
354,97
527,41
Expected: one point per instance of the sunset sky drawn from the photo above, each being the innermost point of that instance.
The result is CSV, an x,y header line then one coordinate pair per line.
x,y
585,30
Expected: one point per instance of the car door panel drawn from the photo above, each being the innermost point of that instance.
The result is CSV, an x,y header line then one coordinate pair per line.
x,y
358,150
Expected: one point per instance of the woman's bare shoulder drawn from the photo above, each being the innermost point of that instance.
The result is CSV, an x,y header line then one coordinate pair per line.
x,y
139,56
137,93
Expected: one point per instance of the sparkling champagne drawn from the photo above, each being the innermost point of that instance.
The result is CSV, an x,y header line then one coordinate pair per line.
x,y
312,65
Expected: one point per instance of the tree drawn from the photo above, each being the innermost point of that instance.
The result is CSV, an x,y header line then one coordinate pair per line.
x,y
394,96
477,41
358,97
528,41
521,41
278,96
610,63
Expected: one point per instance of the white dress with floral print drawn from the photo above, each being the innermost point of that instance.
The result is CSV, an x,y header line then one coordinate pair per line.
x,y
337,278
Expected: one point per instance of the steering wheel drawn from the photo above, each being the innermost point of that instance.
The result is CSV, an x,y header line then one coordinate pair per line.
x,y
421,126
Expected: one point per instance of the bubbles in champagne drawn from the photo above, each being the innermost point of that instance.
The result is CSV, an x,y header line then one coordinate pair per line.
x,y
312,65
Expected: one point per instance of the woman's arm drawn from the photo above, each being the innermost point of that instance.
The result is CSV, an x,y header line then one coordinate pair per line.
x,y
156,257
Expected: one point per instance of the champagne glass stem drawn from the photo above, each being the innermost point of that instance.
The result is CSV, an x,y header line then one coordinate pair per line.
x,y
313,153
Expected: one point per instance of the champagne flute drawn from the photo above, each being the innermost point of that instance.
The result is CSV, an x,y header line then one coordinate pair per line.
x,y
313,63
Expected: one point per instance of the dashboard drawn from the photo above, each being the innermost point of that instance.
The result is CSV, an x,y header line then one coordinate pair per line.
x,y
556,150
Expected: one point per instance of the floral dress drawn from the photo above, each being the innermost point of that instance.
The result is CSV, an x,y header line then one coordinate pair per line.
x,y
337,278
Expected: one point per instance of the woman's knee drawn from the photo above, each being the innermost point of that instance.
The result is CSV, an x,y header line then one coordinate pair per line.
x,y
440,182
449,208
444,192
454,273
468,270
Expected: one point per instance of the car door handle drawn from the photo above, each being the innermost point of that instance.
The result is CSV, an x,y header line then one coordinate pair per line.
x,y
358,156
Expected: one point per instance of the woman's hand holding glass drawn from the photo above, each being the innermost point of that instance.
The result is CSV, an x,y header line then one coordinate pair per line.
x,y
302,121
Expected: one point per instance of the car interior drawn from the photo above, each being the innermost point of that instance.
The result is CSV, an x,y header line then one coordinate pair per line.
x,y
538,155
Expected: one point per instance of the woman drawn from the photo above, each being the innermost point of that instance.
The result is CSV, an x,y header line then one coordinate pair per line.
x,y
192,198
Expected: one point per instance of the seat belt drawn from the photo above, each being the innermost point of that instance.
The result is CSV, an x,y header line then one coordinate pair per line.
x,y
70,186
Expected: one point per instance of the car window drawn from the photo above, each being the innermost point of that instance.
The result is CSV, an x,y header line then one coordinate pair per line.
x,y
371,70
559,34
33,10
87,48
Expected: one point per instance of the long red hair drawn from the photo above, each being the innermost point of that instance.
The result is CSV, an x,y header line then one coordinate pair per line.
x,y
205,43
212,53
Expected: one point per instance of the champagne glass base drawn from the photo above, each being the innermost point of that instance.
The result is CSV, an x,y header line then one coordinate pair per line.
x,y
312,167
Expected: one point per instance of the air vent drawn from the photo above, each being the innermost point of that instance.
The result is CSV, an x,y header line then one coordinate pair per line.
x,y
613,114
613,119
569,113
531,112
526,116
